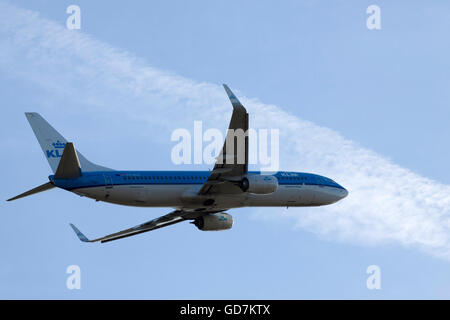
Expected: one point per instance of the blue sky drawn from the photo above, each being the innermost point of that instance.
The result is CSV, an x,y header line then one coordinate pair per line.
x,y
367,108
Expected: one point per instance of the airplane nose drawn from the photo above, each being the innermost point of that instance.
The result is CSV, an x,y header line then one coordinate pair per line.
x,y
331,195
340,193
344,193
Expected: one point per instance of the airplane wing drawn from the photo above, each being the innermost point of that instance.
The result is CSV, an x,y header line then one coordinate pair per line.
x,y
163,221
232,162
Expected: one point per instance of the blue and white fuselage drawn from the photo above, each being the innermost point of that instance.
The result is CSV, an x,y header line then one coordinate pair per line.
x,y
179,189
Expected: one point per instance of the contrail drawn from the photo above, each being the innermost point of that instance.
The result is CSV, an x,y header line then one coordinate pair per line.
x,y
387,203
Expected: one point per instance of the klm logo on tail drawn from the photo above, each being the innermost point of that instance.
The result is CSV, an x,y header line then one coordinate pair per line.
x,y
58,145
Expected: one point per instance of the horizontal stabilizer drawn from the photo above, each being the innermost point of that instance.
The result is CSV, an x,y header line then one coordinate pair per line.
x,y
44,187
69,165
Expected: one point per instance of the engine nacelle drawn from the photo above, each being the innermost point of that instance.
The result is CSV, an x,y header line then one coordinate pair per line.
x,y
214,222
259,184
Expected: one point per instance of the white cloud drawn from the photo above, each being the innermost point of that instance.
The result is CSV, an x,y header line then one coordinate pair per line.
x,y
386,204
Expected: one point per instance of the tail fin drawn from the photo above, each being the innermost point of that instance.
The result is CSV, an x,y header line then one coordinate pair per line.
x,y
52,143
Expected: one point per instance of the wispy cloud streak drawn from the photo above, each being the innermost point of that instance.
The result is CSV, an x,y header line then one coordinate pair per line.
x,y
387,203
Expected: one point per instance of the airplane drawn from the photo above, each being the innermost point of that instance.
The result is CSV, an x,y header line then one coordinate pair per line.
x,y
202,197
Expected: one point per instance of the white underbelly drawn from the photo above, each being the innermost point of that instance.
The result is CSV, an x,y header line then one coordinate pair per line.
x,y
175,196
137,195
295,196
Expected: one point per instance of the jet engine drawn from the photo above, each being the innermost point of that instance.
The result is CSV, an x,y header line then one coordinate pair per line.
x,y
259,184
214,222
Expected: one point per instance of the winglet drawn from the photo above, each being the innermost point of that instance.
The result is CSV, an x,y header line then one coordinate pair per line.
x,y
80,235
234,101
